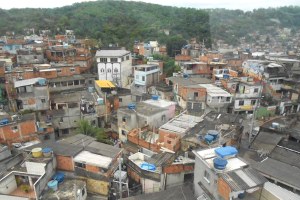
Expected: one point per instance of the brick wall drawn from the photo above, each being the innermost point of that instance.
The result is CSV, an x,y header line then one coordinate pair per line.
x,y
92,168
178,168
64,163
223,189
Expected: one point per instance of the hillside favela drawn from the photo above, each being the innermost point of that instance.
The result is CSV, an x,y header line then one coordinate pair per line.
x,y
109,100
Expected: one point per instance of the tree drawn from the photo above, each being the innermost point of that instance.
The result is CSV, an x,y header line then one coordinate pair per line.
x,y
84,127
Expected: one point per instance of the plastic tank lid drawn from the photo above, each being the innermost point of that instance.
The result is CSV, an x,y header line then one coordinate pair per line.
x,y
46,150
226,151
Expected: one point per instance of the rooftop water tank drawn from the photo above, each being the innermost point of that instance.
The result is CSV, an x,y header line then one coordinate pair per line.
x,y
226,76
4,121
213,133
53,185
37,152
220,163
208,139
47,152
155,97
131,106
59,176
224,152
91,89
100,101
148,166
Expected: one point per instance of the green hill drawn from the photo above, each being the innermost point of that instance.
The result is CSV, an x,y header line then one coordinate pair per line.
x,y
123,22
113,21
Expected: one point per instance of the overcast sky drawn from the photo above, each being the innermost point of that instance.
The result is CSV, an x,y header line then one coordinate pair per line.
x,y
229,4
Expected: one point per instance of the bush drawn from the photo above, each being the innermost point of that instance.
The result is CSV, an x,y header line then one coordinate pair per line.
x,y
25,188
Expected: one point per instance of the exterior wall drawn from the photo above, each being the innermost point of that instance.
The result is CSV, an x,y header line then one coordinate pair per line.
x,y
8,185
174,179
28,59
200,169
150,186
247,104
223,189
64,163
189,94
15,131
35,168
92,168
117,72
97,186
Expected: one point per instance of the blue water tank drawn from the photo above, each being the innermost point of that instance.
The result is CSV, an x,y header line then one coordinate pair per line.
x,y
220,163
131,106
213,133
223,152
91,89
148,166
42,81
59,176
185,76
4,121
53,185
155,97
208,139
226,76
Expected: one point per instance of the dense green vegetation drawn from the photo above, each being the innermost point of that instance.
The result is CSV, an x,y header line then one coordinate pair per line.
x,y
230,25
84,127
123,22
113,22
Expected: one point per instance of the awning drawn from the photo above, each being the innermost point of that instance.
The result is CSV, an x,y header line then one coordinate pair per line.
x,y
105,84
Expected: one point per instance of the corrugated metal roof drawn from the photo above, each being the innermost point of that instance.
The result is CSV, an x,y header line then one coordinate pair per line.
x,y
214,91
27,82
243,179
281,171
280,192
105,84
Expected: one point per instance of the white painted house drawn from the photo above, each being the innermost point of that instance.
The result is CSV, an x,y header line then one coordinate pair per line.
x,y
114,65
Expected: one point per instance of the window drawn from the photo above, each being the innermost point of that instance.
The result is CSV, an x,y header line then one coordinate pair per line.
x,y
143,78
81,165
228,99
120,99
195,94
43,100
72,69
82,192
123,132
241,103
103,60
253,102
65,131
163,118
116,70
255,90
123,119
14,128
109,70
127,57
102,70
207,176
114,60
47,137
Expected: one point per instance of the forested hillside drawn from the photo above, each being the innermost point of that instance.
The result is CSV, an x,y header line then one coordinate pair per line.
x,y
113,21
124,22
